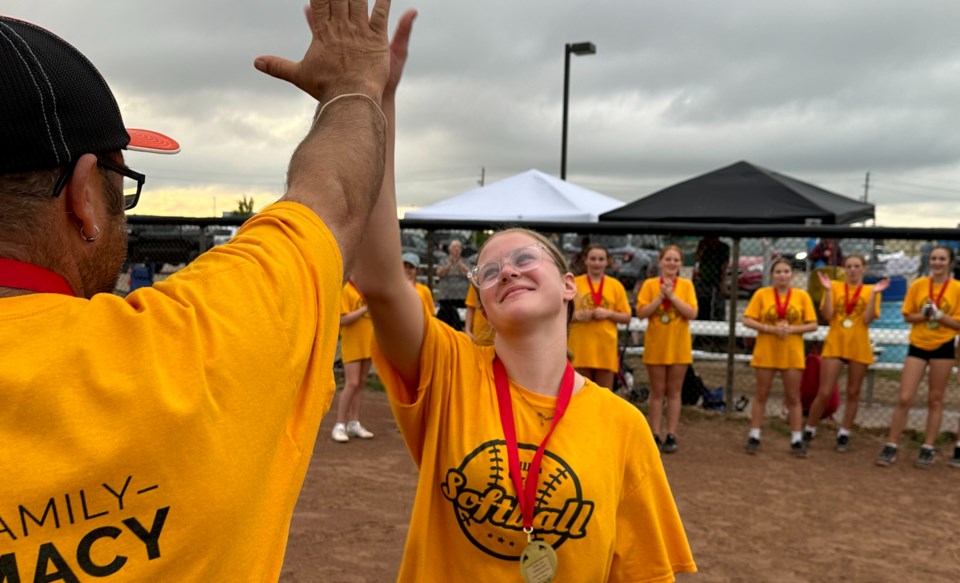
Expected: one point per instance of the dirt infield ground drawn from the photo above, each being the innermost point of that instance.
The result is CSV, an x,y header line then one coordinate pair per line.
x,y
830,517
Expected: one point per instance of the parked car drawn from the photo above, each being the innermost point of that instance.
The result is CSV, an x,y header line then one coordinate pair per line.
x,y
749,275
794,249
633,257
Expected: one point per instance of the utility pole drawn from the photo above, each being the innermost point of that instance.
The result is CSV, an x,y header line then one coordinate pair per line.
x,y
866,187
483,173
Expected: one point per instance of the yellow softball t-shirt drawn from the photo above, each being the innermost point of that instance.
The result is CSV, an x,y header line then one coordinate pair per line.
x,y
593,343
426,298
667,339
853,342
604,503
481,330
165,436
918,294
356,339
769,350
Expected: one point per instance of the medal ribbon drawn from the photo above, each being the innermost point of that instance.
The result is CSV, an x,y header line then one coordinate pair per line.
x,y
666,303
20,275
940,295
527,493
846,298
782,310
597,294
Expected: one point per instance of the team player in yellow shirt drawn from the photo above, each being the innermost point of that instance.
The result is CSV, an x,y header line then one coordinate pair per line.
x,y
475,323
165,435
600,305
932,307
356,346
517,469
849,306
781,315
669,302
411,263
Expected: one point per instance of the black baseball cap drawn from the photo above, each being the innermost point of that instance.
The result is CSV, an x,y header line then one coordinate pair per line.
x,y
55,106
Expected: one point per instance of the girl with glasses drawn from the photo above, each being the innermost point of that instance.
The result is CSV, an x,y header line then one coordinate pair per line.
x,y
600,305
780,314
669,302
850,307
524,465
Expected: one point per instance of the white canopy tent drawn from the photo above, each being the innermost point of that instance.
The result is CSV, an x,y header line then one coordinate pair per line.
x,y
528,196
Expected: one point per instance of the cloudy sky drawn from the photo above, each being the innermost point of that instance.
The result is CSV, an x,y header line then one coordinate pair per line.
x,y
821,90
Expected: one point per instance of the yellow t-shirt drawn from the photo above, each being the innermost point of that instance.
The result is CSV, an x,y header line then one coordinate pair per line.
x,y
918,294
593,344
849,343
605,504
667,342
165,436
356,339
481,331
771,351
426,297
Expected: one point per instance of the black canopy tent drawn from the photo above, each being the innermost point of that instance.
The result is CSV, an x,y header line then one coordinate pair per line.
x,y
744,193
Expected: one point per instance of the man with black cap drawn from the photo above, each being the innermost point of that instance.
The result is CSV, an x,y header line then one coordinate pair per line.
x,y
164,436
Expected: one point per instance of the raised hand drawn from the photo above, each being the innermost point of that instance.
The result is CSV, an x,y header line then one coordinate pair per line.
x,y
348,52
824,280
881,285
398,51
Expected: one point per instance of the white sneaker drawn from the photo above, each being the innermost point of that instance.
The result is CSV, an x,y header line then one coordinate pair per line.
x,y
339,433
354,429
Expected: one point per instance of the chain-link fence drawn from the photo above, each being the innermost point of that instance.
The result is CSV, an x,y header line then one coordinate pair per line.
x,y
722,346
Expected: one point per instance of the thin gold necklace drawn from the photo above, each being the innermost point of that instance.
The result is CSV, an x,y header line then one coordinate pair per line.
x,y
544,418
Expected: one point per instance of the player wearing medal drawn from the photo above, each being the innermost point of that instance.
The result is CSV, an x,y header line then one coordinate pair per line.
x,y
474,419
670,302
600,305
356,345
932,307
849,306
781,315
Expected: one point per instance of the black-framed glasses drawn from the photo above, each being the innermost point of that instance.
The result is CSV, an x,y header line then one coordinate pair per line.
x,y
132,181
523,259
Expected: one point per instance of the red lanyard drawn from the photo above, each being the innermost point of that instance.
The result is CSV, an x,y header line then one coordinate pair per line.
x,y
940,295
20,275
666,303
846,298
597,294
527,493
782,310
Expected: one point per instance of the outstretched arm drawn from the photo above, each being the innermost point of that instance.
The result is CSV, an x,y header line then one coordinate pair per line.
x,y
394,306
337,169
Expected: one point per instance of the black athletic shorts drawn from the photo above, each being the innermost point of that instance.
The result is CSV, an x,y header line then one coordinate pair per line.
x,y
945,351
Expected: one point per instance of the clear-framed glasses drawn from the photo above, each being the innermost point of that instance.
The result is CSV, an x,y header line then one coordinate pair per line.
x,y
132,181
522,259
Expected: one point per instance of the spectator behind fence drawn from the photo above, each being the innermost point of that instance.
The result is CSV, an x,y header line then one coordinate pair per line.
x,y
600,305
713,259
826,253
452,286
669,303
932,308
609,511
780,314
184,414
849,306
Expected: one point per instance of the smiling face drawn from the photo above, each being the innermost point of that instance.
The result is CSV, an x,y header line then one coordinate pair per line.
x,y
853,268
670,262
523,297
940,261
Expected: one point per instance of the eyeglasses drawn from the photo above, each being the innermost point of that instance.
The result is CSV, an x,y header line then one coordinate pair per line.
x,y
522,259
132,181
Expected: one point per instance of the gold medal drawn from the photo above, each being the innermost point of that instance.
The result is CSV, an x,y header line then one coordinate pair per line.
x,y
847,323
933,324
538,562
665,318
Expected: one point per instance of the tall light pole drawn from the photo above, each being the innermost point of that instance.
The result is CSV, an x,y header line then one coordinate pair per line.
x,y
584,48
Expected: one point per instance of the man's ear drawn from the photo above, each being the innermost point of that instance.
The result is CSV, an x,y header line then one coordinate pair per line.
x,y
83,193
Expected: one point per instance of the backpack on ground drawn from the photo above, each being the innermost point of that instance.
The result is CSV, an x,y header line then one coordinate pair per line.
x,y
810,386
693,388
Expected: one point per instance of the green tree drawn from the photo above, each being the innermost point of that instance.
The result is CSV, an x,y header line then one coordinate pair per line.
x,y
244,206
